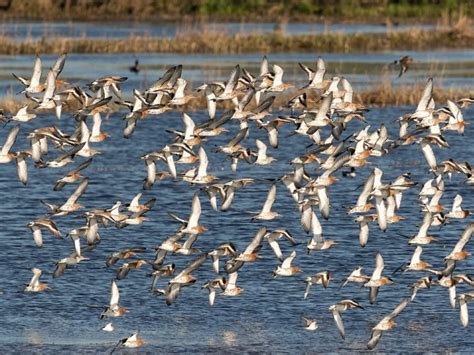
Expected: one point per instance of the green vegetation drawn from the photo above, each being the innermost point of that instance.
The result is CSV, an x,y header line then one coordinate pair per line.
x,y
238,10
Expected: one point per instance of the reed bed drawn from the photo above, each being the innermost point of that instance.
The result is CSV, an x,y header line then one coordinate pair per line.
x,y
385,94
221,43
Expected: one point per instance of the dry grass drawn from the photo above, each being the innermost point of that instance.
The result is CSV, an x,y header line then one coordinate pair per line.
x,y
10,104
460,35
385,94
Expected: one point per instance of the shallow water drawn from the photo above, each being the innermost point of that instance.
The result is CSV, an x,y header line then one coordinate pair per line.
x,y
267,315
37,30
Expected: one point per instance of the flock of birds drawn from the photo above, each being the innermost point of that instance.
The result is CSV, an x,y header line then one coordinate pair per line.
x,y
321,111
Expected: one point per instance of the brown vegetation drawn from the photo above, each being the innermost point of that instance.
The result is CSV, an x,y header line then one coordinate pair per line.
x,y
459,36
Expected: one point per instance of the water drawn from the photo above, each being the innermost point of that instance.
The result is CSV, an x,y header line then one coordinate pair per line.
x,y
267,315
37,30
451,69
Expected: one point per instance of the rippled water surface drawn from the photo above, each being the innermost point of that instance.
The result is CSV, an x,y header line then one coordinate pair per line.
x,y
36,30
267,315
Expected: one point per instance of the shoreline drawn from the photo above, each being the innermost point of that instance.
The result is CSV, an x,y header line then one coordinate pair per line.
x,y
218,42
204,20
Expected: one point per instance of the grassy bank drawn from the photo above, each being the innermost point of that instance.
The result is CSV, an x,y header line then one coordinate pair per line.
x,y
459,36
383,94
236,10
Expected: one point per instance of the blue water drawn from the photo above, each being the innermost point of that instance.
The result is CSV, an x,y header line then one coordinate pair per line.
x,y
37,30
267,315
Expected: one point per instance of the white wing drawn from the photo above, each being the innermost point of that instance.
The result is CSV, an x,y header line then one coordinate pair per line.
x,y
203,163
320,71
275,247
10,140
59,65
231,282
415,259
189,126
50,87
426,96
306,290
36,276
22,112
97,122
264,66
364,195
171,165
306,214
212,296
270,199
427,218
324,108
463,312
429,155
211,103
381,213
457,204
339,324
114,295
316,228
278,80
438,194
135,200
181,85
452,296
151,171
195,212
262,150
379,265
37,236
22,169
323,201
348,91
232,82
85,134
229,197
391,204
287,262
77,245
273,136
363,233
36,76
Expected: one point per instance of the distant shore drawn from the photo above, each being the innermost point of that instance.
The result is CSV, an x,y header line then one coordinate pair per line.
x,y
362,11
218,42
